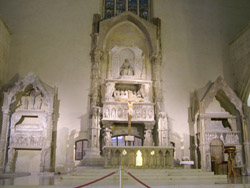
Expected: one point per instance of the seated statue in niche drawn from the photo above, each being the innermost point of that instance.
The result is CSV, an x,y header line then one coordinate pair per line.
x,y
126,69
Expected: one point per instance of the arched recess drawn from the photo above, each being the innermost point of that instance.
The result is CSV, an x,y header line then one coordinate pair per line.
x,y
222,91
28,121
128,30
226,124
148,29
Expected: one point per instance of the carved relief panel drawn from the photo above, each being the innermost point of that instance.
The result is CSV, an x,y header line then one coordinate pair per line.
x,y
119,112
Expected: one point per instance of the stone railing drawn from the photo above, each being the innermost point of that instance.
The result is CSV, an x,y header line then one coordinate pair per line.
x,y
138,157
227,137
118,111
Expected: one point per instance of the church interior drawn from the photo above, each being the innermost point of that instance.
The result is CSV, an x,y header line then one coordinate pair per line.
x,y
159,86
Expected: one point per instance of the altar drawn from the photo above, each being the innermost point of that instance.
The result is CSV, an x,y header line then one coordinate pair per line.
x,y
138,157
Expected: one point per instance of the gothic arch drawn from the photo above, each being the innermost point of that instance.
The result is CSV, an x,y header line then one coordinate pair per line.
x,y
215,90
31,80
146,28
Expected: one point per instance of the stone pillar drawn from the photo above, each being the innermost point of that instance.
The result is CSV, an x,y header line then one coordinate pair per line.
x,y
46,151
45,159
156,77
238,157
95,77
246,146
4,137
148,136
95,128
10,168
163,131
203,144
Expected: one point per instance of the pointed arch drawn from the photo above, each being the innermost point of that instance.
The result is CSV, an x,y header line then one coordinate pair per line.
x,y
221,90
145,27
29,81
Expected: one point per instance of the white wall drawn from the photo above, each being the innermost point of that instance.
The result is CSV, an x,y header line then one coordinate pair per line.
x,y
195,38
52,39
4,51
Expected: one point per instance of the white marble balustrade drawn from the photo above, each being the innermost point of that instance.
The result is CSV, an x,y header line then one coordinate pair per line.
x,y
151,157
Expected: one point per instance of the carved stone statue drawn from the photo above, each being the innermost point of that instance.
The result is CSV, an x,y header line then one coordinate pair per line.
x,y
148,141
107,137
110,88
39,100
145,88
32,98
126,69
95,128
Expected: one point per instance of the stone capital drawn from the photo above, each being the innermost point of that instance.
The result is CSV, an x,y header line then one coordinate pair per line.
x,y
107,124
149,126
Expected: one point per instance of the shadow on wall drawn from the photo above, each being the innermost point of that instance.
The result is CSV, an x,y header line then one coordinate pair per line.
x,y
54,131
4,88
66,150
191,122
84,126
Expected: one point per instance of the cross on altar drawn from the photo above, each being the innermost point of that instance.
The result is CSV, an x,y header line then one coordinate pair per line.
x,y
130,100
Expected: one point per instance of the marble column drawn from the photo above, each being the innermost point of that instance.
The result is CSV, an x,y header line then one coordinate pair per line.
x,y
246,146
45,159
4,136
202,143
156,60
11,161
95,77
95,129
46,151
163,131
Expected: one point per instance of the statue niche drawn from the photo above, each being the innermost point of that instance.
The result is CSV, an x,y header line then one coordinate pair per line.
x,y
126,69
126,63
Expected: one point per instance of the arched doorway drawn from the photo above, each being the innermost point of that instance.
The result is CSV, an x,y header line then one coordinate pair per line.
x,y
217,155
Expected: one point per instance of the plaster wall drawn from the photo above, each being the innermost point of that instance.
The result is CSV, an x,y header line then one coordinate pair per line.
x,y
240,55
4,51
195,49
52,39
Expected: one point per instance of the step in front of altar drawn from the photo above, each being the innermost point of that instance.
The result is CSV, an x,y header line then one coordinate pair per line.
x,y
152,177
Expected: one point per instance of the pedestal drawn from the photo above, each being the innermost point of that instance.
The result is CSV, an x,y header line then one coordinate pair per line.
x,y
92,158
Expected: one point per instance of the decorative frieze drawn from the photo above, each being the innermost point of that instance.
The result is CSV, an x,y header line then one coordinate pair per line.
x,y
26,141
228,138
118,111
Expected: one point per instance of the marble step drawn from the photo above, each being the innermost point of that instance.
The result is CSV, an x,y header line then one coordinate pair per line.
x,y
153,177
129,186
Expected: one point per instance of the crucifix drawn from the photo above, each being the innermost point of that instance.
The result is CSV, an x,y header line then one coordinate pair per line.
x,y
130,100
